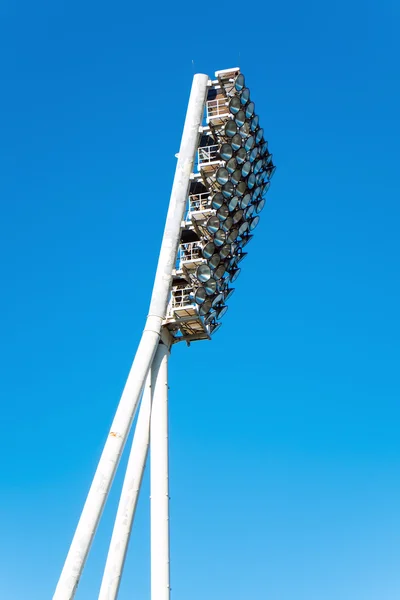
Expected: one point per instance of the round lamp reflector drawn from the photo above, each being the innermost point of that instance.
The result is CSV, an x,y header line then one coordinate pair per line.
x,y
232,204
208,250
228,189
210,286
251,181
236,217
223,212
222,175
254,123
232,235
236,142
234,105
219,238
244,96
230,128
226,151
205,307
253,223
239,82
259,135
227,224
219,271
225,251
250,110
244,131
245,201
241,156
231,165
217,201
249,143
200,295
241,188
214,261
234,275
212,224
243,228
246,168
203,273
221,312
240,118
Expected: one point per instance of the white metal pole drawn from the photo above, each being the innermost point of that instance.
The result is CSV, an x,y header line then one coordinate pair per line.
x,y
128,501
131,486
159,488
82,540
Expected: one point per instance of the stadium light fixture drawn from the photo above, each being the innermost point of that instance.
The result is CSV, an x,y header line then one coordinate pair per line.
x,y
214,209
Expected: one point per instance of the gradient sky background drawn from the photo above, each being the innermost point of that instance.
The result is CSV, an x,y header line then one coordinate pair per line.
x,y
285,446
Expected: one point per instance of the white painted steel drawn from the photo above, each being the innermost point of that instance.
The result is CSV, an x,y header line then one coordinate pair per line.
x,y
128,500
80,546
159,489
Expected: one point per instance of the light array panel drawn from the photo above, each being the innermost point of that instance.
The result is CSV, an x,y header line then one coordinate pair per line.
x,y
226,196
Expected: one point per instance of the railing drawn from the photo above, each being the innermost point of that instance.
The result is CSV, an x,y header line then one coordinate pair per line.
x,y
181,296
216,108
190,252
207,154
199,201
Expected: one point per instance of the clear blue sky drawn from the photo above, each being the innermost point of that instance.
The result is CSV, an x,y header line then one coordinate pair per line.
x,y
285,446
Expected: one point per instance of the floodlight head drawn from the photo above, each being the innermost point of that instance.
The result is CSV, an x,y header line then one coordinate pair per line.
x,y
223,212
227,224
236,142
236,176
241,188
228,189
203,273
219,238
235,105
225,251
232,235
200,295
222,175
243,228
219,271
212,224
259,135
217,201
246,168
208,250
260,205
214,261
239,82
219,299
221,312
254,123
230,128
233,202
205,307
245,200
234,274
210,286
226,151
240,118
249,143
254,222
231,165
244,96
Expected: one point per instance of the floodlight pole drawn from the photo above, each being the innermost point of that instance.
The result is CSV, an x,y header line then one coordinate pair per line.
x,y
134,473
159,477
128,500
109,460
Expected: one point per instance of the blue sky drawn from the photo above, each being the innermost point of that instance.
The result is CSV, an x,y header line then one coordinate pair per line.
x,y
284,429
